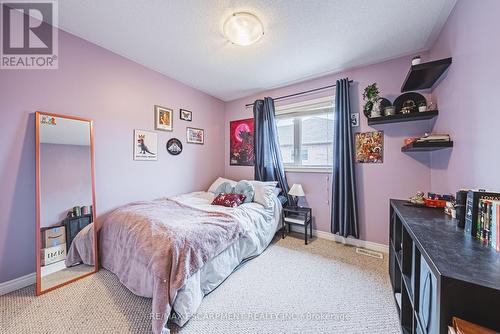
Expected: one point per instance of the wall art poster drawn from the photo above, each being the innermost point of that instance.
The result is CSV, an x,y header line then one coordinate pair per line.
x,y
145,145
241,142
370,147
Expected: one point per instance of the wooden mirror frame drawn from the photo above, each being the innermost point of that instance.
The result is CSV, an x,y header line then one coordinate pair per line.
x,y
38,243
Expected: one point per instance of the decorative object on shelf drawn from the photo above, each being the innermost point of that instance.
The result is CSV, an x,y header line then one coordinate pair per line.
x,y
186,115
370,96
164,119
370,147
407,102
410,140
432,106
418,198
408,107
390,111
416,60
296,191
355,119
195,136
379,106
241,142
422,107
174,146
145,145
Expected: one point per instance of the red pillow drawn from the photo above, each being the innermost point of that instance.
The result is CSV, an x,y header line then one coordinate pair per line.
x,y
229,200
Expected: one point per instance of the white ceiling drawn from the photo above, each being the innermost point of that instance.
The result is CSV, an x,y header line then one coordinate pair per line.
x,y
303,39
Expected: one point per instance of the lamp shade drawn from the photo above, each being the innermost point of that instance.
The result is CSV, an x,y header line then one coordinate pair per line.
x,y
296,190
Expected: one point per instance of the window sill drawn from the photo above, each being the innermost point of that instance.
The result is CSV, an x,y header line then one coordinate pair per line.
x,y
308,170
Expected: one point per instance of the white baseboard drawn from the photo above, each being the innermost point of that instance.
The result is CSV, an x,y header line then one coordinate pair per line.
x,y
17,283
349,241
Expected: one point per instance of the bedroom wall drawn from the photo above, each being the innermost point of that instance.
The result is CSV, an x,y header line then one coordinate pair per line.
x,y
119,95
65,180
399,176
468,99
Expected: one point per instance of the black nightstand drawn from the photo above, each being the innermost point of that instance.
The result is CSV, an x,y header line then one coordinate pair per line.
x,y
296,215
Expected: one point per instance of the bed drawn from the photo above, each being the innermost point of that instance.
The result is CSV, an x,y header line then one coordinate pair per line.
x,y
176,250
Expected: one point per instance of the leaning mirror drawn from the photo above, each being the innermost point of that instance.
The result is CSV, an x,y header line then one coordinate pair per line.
x,y
65,236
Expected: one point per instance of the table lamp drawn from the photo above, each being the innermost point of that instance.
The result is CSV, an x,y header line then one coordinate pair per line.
x,y
296,191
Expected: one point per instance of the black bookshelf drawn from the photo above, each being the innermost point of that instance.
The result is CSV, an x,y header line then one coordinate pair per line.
x,y
425,75
399,118
426,146
437,271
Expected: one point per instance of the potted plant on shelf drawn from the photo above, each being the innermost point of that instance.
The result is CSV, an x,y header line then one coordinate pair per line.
x,y
371,98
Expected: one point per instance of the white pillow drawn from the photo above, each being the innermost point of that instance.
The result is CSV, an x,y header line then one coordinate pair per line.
x,y
218,182
264,192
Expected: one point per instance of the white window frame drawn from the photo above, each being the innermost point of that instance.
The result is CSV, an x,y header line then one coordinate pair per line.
x,y
295,108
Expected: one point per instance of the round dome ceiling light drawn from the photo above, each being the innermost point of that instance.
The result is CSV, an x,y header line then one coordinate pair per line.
x,y
243,29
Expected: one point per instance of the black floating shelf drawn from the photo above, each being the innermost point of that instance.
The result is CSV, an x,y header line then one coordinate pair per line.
x,y
398,118
426,146
425,75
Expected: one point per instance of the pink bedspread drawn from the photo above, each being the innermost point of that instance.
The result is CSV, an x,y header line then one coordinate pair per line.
x,y
154,247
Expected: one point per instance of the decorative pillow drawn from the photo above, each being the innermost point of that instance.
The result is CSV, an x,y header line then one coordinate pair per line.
x,y
218,182
245,188
229,200
264,192
226,188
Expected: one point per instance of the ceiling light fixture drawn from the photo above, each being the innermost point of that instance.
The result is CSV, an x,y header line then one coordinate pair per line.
x,y
243,28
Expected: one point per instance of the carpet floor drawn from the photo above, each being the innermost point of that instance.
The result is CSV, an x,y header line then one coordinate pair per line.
x,y
323,287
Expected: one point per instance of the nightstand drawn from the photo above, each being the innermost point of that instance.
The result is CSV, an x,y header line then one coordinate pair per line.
x,y
297,215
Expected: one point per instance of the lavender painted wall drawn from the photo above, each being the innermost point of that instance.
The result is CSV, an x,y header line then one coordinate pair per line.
x,y
468,99
400,176
65,180
119,96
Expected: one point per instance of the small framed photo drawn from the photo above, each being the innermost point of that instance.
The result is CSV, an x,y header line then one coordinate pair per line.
x,y
195,136
355,119
186,115
145,145
164,119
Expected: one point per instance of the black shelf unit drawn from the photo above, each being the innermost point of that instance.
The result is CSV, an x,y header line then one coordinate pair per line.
x,y
425,75
437,272
398,118
426,146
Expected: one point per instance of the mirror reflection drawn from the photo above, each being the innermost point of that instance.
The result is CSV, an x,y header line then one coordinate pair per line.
x,y
65,188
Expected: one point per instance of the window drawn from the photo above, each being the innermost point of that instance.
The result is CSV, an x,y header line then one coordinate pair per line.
x,y
305,132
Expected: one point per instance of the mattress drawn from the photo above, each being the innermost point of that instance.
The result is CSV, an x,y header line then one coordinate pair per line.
x,y
260,225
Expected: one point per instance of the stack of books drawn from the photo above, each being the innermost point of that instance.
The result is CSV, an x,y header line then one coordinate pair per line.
x,y
488,223
434,137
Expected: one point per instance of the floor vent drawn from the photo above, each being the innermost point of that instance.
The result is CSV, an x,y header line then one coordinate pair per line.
x,y
371,253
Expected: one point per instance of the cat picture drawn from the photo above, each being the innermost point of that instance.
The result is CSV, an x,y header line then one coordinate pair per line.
x,y
145,145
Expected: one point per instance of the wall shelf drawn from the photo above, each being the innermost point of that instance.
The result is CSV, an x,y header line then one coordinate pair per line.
x,y
426,146
425,75
398,118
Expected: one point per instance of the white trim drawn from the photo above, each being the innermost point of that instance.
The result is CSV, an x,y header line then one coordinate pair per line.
x,y
321,103
323,170
348,241
17,283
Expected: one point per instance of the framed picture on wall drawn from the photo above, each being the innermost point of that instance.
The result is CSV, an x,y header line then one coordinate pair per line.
x,y
370,147
241,148
195,136
145,145
186,115
164,119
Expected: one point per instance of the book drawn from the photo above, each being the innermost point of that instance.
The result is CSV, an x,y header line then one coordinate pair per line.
x,y
494,207
472,206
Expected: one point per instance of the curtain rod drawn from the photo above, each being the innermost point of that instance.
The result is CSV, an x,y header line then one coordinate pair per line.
x,y
300,93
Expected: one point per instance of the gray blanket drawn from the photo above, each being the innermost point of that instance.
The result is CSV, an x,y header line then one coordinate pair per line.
x,y
154,247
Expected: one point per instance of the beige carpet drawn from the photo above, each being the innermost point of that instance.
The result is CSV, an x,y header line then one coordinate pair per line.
x,y
323,287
